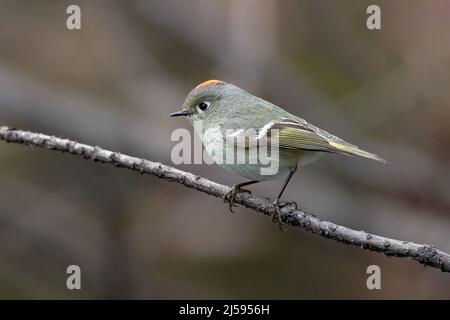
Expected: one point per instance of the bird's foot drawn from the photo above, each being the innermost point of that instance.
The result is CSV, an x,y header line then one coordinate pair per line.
x,y
230,196
276,214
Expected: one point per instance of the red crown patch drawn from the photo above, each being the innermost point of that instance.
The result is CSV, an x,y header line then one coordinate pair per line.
x,y
209,83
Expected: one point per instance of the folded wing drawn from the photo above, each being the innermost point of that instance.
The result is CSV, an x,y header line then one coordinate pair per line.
x,y
300,135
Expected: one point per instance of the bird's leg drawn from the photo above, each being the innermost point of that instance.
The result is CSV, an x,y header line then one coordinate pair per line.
x,y
230,196
276,214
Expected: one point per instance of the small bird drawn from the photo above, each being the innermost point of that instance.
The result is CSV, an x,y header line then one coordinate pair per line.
x,y
227,111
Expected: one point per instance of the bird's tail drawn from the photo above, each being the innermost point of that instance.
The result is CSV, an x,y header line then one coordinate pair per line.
x,y
355,151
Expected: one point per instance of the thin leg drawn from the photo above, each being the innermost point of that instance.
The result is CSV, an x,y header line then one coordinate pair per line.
x,y
286,182
231,195
276,214
247,183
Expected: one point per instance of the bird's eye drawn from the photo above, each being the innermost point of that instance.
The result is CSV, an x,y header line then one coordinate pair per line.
x,y
202,106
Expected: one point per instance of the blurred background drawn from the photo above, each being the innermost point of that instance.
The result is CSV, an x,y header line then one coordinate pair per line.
x,y
114,82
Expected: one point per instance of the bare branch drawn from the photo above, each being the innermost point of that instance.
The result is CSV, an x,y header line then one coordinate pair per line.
x,y
423,253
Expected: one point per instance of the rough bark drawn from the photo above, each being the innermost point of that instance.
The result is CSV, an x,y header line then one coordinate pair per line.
x,y
290,214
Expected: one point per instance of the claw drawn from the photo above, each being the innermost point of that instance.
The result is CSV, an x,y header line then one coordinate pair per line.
x,y
230,196
276,215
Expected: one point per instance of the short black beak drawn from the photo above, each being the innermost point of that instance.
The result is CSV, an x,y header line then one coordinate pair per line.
x,y
180,113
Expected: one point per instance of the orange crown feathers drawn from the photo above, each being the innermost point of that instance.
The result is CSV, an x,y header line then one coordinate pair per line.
x,y
209,83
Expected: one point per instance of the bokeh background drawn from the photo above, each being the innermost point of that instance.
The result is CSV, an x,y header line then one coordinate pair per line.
x,y
113,84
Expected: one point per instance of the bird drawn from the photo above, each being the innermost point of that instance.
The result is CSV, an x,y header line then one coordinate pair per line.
x,y
227,112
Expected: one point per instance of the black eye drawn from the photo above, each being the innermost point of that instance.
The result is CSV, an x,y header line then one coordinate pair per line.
x,y
203,106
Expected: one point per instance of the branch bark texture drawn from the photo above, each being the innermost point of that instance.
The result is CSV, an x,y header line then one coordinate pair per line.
x,y
290,214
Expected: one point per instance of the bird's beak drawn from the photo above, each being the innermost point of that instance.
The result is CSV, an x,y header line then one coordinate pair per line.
x,y
180,113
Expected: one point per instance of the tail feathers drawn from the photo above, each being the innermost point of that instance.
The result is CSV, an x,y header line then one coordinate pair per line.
x,y
355,151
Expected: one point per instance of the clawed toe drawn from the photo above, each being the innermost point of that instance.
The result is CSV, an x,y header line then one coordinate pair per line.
x,y
230,196
276,214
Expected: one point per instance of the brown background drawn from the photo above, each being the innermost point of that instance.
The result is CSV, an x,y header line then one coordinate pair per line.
x,y
113,84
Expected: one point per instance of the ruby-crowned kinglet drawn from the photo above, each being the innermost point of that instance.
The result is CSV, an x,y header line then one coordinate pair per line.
x,y
226,110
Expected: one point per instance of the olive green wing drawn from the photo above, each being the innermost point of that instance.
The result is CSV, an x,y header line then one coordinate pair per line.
x,y
297,134
292,136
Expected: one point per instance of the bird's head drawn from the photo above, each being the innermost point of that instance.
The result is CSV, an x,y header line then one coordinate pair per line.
x,y
210,100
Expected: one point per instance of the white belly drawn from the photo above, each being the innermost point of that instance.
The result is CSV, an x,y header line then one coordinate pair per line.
x,y
251,163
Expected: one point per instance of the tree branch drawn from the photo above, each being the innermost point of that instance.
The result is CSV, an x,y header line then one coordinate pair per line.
x,y
423,253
